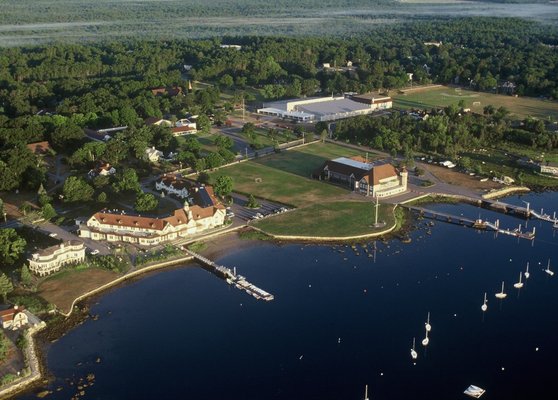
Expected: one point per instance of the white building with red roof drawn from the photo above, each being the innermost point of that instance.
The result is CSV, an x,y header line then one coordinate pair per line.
x,y
14,318
204,213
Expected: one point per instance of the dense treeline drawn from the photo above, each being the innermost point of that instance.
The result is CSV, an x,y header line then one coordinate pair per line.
x,y
104,85
448,132
31,11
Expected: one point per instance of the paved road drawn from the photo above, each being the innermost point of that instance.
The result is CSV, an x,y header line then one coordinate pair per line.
x,y
65,233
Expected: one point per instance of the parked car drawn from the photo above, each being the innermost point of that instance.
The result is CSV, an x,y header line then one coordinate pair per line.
x,y
53,235
94,252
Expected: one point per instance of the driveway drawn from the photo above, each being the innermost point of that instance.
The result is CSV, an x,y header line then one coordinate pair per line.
x,y
63,233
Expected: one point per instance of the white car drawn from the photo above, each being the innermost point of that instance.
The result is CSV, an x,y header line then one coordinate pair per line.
x,y
96,251
53,234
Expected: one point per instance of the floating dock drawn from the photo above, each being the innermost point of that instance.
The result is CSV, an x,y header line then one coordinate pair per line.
x,y
232,277
477,224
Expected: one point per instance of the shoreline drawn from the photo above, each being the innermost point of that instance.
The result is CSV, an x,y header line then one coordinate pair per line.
x,y
218,245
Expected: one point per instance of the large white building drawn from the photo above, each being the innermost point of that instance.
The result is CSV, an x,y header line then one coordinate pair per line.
x,y
327,108
206,213
51,259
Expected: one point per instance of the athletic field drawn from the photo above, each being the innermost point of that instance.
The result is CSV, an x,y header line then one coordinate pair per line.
x,y
519,107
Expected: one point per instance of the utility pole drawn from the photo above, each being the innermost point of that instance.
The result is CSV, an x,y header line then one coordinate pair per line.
x,y
376,213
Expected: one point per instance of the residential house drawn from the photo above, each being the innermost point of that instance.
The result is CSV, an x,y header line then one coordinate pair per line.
x,y
102,168
378,179
206,213
173,184
103,135
14,318
39,148
167,91
157,121
182,130
51,259
152,154
549,168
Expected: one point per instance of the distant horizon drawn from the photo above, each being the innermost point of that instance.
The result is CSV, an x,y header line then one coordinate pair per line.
x,y
26,22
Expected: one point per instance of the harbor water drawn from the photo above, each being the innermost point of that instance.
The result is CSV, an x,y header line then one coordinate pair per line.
x,y
342,318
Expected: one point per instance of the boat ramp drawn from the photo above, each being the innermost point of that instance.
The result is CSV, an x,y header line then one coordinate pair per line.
x,y
231,277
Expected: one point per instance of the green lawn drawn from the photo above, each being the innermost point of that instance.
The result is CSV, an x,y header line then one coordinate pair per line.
x,y
304,160
285,177
336,219
520,107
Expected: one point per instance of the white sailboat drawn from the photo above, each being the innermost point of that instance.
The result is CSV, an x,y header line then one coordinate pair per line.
x,y
526,273
414,354
366,393
519,284
547,270
484,307
427,325
501,295
426,340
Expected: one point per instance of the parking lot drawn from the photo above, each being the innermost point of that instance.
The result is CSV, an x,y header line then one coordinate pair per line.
x,y
266,208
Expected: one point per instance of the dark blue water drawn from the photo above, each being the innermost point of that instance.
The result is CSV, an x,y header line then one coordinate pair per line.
x,y
185,334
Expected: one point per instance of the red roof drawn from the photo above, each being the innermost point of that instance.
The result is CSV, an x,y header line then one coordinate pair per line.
x,y
180,129
9,314
38,148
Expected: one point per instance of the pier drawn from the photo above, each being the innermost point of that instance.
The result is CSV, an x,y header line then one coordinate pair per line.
x,y
232,277
520,211
477,224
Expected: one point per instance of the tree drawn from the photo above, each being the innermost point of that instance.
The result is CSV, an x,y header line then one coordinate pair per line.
x,y
5,286
223,185
76,189
323,135
48,212
11,246
127,180
204,177
203,123
224,142
102,197
25,275
252,203
146,202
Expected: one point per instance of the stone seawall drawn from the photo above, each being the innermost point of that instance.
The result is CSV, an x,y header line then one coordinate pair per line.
x,y
32,362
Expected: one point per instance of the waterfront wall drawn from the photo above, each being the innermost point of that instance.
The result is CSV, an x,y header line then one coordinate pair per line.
x,y
125,278
505,192
32,362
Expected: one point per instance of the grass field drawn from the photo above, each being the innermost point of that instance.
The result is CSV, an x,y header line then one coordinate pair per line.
x,y
335,219
285,177
519,107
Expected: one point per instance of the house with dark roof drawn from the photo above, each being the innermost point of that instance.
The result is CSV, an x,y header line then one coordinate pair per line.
x,y
378,179
173,184
167,91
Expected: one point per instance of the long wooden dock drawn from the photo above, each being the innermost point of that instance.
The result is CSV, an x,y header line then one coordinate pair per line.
x,y
232,277
477,224
520,211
